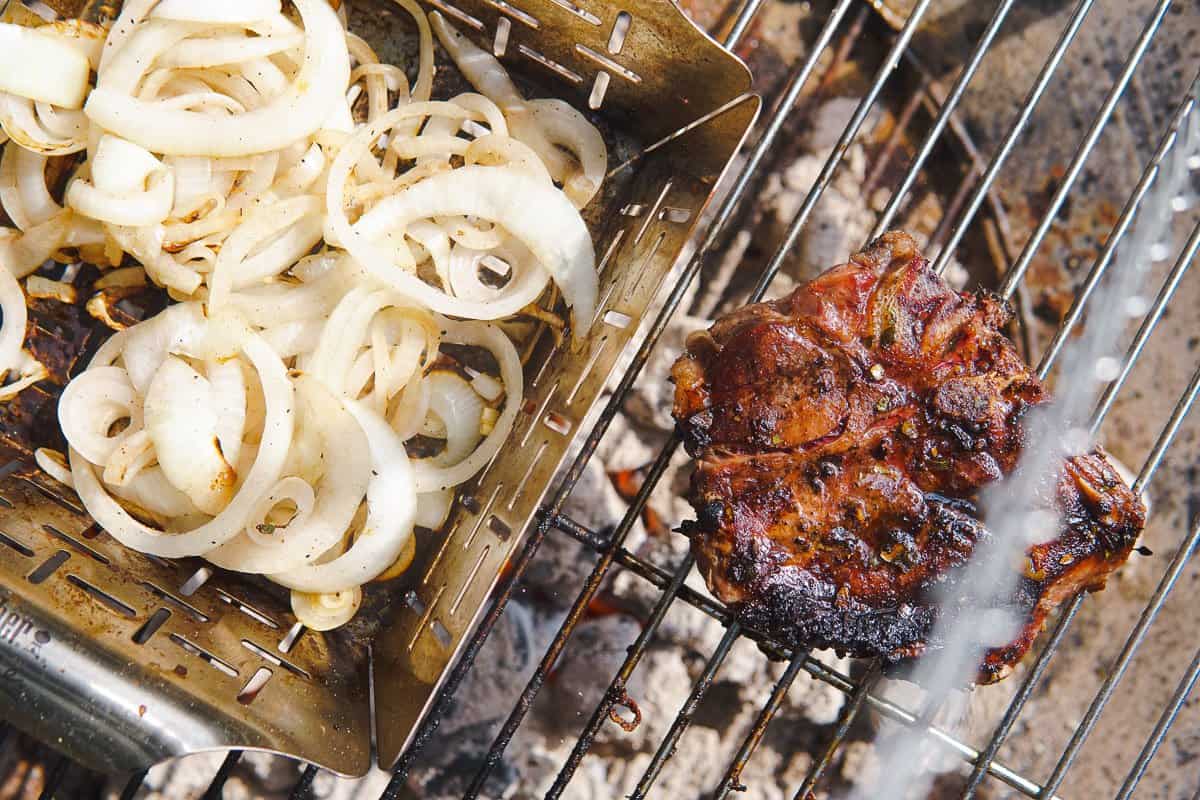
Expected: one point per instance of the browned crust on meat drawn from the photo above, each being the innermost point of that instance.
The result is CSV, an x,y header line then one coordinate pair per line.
x,y
841,434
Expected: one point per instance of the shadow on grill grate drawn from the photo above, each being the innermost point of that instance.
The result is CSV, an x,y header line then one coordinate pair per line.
x,y
1024,175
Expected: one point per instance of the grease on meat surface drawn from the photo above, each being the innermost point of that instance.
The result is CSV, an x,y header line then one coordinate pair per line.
x,y
841,435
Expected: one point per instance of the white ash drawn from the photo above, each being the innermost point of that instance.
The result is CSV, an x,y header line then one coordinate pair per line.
x,y
596,650
626,447
692,769
659,687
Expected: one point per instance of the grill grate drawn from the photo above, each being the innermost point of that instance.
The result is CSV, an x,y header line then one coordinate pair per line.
x,y
860,692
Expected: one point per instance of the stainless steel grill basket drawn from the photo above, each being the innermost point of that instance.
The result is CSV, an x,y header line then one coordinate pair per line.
x,y
123,660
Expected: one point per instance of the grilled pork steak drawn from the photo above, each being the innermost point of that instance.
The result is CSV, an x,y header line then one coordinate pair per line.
x,y
841,434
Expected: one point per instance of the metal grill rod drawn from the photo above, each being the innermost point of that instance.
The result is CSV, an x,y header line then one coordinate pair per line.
x,y
303,788
1182,690
1067,183
943,118
1150,322
1147,471
800,219
905,717
54,777
525,701
1014,133
748,172
1012,280
1017,704
732,780
216,789
1124,222
1034,96
848,714
616,689
131,788
1118,670
1134,640
684,718
746,14
1139,486
1163,441
535,537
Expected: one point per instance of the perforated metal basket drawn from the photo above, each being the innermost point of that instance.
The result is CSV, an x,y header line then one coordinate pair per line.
x,y
123,660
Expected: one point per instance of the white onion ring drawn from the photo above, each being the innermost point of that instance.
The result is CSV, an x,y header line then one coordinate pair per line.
x,y
181,418
345,453
271,454
222,12
430,478
324,612
297,113
13,319
18,119
391,505
537,215
290,488
89,407
283,233
23,192
460,410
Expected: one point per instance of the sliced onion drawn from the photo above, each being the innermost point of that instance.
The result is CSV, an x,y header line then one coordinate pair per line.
x,y
23,192
481,68
20,121
295,114
272,451
433,478
494,150
565,126
537,215
344,452
222,12
181,419
391,505
526,279
150,491
229,400
281,233
324,612
26,253
13,319
90,406
133,453
54,464
180,328
433,508
133,13
42,67
412,410
137,208
459,409
86,37
228,49
290,489
423,86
